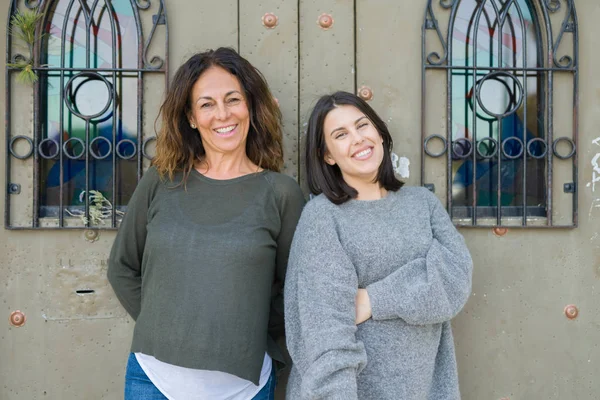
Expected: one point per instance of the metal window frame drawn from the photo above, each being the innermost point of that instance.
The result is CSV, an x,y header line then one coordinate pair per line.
x,y
567,64
156,65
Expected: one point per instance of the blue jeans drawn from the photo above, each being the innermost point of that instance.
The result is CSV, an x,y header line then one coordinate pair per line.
x,y
139,387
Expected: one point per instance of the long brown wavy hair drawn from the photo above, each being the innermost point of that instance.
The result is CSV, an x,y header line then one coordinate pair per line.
x,y
178,146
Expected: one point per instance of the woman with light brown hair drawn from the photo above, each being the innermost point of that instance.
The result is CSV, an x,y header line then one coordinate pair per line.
x,y
201,253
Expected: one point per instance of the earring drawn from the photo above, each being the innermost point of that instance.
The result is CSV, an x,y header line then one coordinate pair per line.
x,y
193,126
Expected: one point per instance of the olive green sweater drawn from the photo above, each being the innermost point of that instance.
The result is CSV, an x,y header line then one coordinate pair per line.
x,y
201,267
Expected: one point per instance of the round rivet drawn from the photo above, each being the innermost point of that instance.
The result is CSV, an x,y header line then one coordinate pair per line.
x,y
500,231
325,21
269,20
571,311
17,318
14,188
91,235
365,93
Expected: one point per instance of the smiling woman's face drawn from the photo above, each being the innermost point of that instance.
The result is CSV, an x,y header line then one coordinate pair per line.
x,y
220,112
353,143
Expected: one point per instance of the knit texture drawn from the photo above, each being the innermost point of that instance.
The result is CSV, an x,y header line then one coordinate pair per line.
x,y
417,271
200,268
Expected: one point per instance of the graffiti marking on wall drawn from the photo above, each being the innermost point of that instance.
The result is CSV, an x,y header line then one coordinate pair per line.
x,y
401,165
595,167
595,204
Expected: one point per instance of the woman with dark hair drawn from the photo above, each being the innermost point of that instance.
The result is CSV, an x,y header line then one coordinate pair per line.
x,y
376,270
201,253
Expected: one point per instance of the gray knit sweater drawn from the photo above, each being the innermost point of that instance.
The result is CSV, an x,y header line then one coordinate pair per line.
x,y
417,270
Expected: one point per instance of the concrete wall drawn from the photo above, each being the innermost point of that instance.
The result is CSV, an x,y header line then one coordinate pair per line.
x,y
513,338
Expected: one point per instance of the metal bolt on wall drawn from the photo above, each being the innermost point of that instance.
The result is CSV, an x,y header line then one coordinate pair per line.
x,y
270,20
325,21
17,319
571,311
365,93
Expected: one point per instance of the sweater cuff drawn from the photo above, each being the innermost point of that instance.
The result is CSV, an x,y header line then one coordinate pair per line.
x,y
381,298
341,385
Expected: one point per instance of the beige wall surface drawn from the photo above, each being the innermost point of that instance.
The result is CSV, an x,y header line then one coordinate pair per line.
x,y
513,338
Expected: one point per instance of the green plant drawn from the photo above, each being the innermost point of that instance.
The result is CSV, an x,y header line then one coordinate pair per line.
x,y
22,27
100,208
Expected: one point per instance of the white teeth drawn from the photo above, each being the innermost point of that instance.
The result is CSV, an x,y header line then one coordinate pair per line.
x,y
363,153
225,130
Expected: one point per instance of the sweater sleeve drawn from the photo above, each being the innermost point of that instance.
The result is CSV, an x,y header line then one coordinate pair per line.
x,y
125,260
291,202
432,289
325,282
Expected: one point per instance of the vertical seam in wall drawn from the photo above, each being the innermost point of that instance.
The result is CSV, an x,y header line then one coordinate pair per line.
x,y
299,121
355,44
239,33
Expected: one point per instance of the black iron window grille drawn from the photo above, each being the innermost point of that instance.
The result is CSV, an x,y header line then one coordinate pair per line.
x,y
499,110
76,153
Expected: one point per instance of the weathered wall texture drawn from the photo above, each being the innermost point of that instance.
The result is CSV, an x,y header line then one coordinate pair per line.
x,y
513,339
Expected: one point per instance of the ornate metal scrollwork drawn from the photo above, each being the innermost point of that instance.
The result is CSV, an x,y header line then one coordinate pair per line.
x,y
32,4
552,5
434,57
485,133
143,4
17,58
448,3
94,104
159,19
568,26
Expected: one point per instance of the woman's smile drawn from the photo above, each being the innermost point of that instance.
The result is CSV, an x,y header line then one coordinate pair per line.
x,y
226,131
363,154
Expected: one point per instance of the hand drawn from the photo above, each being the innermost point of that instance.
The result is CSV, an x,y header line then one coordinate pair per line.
x,y
363,306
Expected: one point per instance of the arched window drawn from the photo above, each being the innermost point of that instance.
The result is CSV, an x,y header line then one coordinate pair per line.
x,y
88,147
504,131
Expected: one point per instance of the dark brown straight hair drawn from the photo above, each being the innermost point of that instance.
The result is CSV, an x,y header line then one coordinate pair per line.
x,y
328,179
178,146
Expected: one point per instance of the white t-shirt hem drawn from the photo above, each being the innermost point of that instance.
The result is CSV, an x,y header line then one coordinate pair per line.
x,y
177,383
